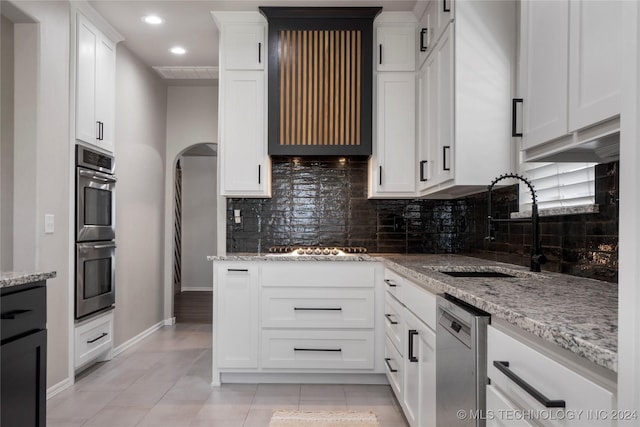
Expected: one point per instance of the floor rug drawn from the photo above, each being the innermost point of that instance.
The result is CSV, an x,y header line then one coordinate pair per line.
x,y
283,418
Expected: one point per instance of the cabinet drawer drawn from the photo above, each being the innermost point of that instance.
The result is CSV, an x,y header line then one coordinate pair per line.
x,y
317,308
317,349
550,378
393,283
313,273
393,322
393,368
421,302
23,310
93,338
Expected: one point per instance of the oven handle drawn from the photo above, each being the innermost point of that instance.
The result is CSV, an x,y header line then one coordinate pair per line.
x,y
103,246
98,176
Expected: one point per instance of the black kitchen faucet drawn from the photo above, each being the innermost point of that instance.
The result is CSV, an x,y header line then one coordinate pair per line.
x,y
537,258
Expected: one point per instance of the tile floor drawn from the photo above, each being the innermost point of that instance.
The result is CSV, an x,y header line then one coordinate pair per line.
x,y
164,381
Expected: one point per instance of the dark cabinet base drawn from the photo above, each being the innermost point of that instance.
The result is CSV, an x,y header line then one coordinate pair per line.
x,y
23,381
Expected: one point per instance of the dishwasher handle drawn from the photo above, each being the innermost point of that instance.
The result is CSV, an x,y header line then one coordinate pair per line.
x,y
548,403
456,327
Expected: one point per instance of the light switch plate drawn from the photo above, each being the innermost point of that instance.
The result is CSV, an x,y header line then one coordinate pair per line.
x,y
49,223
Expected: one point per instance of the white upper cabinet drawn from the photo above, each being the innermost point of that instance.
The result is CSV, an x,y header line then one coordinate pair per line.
x,y
245,167
391,168
434,21
392,173
396,48
464,101
569,76
244,46
95,85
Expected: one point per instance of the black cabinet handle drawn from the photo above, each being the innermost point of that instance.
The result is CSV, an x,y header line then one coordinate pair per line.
x,y
259,53
380,55
104,334
259,173
380,175
317,308
504,368
238,269
386,360
423,46
316,349
445,6
101,131
15,314
423,177
514,116
412,333
390,283
98,131
445,158
388,316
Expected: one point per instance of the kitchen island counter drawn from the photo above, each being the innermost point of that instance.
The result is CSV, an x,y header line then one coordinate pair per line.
x,y
13,278
577,314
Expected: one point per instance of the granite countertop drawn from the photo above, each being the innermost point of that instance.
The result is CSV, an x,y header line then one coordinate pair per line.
x,y
578,314
15,278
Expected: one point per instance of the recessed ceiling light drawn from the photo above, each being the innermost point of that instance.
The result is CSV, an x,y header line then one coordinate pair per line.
x,y
153,19
177,50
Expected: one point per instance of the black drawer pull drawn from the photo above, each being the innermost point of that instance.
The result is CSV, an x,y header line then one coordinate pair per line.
x,y
386,360
390,283
388,316
16,314
317,308
104,334
316,349
412,358
504,368
238,269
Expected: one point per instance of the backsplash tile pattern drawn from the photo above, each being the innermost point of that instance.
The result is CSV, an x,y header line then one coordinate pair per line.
x,y
323,201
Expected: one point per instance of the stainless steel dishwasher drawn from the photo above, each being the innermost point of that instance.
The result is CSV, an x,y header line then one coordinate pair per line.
x,y
461,363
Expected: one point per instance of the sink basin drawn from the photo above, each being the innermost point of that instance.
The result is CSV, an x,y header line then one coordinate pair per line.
x,y
476,274
481,271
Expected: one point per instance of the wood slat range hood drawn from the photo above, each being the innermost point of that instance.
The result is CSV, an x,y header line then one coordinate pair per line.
x,y
320,80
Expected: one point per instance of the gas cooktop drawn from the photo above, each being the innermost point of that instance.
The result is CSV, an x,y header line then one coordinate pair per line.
x,y
317,250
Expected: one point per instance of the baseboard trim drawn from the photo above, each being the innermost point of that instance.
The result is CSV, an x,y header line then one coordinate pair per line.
x,y
133,341
302,378
196,289
57,388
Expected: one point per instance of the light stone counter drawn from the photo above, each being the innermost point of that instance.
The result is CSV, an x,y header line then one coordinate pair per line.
x,y
13,278
577,314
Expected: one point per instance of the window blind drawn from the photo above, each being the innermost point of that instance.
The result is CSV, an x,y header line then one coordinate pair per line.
x,y
558,184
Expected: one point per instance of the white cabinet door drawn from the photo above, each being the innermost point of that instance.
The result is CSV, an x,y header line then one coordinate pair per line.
x,y
419,397
244,46
396,48
594,62
236,320
393,169
95,86
105,92
244,162
87,37
544,68
444,144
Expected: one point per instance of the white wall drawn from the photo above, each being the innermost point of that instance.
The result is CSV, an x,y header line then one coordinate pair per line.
x,y
140,143
199,223
49,162
192,118
6,146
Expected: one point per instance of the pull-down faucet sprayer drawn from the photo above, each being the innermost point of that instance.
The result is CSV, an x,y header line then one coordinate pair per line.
x,y
537,258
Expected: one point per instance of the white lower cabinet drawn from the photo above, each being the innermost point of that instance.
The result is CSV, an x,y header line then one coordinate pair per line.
x,y
528,387
410,348
305,317
93,339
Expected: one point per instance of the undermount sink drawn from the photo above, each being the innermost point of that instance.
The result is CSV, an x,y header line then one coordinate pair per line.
x,y
476,274
481,271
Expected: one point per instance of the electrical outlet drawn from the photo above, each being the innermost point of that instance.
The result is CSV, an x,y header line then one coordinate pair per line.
x,y
49,223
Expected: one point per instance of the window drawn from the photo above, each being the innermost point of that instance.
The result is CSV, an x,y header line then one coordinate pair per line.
x,y
558,185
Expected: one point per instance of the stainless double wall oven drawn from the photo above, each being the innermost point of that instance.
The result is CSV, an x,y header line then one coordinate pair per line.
x,y
95,232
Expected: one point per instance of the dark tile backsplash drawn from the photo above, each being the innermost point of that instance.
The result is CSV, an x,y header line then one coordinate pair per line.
x,y
323,201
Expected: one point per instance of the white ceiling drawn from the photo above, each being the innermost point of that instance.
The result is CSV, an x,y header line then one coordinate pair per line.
x,y
190,25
